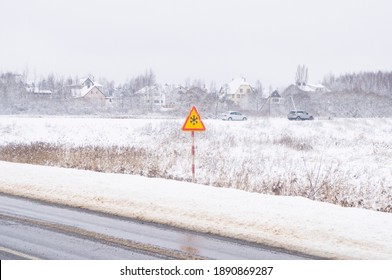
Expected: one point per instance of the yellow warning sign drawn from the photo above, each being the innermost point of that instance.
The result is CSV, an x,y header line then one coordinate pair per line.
x,y
193,122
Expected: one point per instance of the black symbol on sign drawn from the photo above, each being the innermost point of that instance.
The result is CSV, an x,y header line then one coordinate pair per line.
x,y
193,120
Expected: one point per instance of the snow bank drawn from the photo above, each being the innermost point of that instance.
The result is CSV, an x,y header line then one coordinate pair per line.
x,y
294,223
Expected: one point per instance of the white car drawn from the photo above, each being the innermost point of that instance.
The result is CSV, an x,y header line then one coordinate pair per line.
x,y
233,116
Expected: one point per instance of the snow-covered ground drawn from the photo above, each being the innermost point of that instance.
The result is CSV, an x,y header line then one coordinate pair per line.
x,y
342,161
254,178
295,223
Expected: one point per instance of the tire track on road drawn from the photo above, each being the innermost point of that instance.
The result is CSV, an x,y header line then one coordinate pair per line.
x,y
109,240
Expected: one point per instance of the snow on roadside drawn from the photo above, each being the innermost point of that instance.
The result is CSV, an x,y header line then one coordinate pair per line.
x,y
293,223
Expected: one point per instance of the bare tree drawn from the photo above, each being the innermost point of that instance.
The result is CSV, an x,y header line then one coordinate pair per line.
x,y
258,92
301,76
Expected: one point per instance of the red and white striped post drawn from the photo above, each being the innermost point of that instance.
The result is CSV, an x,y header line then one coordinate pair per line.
x,y
193,157
193,123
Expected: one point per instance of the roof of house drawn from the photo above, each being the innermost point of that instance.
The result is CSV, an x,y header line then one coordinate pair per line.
x,y
308,88
85,90
37,90
232,87
312,87
86,85
163,89
197,89
275,94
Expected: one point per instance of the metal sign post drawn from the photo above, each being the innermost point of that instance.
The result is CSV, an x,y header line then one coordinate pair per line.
x,y
193,156
193,123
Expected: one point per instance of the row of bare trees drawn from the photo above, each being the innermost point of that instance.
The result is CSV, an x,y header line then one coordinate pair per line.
x,y
364,82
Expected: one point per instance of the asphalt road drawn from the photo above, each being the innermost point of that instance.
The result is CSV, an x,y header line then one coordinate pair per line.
x,y
36,230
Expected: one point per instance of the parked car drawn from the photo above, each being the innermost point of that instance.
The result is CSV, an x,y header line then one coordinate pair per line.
x,y
233,116
299,115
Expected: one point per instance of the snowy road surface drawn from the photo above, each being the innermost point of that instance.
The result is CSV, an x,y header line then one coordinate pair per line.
x,y
34,230
294,223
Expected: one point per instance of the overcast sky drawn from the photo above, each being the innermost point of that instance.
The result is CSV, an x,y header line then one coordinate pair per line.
x,y
204,39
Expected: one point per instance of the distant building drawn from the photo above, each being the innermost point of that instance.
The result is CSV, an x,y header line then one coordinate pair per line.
x,y
313,88
34,90
160,97
87,89
236,90
275,97
294,89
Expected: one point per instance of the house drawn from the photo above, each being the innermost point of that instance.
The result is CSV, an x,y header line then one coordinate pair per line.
x,y
193,96
275,97
236,90
160,97
87,89
317,88
36,91
150,96
312,88
172,96
307,88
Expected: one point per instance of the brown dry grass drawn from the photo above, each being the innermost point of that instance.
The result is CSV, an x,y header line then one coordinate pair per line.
x,y
113,159
317,180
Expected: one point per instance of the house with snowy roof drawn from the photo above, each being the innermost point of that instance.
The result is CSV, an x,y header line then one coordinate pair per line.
x,y
307,88
37,91
313,88
87,89
236,90
302,85
160,97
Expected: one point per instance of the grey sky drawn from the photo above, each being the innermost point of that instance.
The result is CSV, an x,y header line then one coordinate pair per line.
x,y
204,39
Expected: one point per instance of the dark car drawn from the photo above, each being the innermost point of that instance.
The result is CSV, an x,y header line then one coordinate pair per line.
x,y
299,115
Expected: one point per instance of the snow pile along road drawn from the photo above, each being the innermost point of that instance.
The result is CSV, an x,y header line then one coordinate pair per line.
x,y
294,223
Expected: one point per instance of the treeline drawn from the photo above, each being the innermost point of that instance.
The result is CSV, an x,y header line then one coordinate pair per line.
x,y
20,96
363,82
364,94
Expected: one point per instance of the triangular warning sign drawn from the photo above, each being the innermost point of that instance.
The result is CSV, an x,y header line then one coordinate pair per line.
x,y
193,122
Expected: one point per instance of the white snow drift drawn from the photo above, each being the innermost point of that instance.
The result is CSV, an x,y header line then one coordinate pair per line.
x,y
294,223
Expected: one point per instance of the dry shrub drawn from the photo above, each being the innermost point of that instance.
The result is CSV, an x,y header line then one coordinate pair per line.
x,y
112,159
318,181
299,144
35,153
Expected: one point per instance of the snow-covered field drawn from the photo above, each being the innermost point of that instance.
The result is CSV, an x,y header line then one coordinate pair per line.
x,y
342,161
